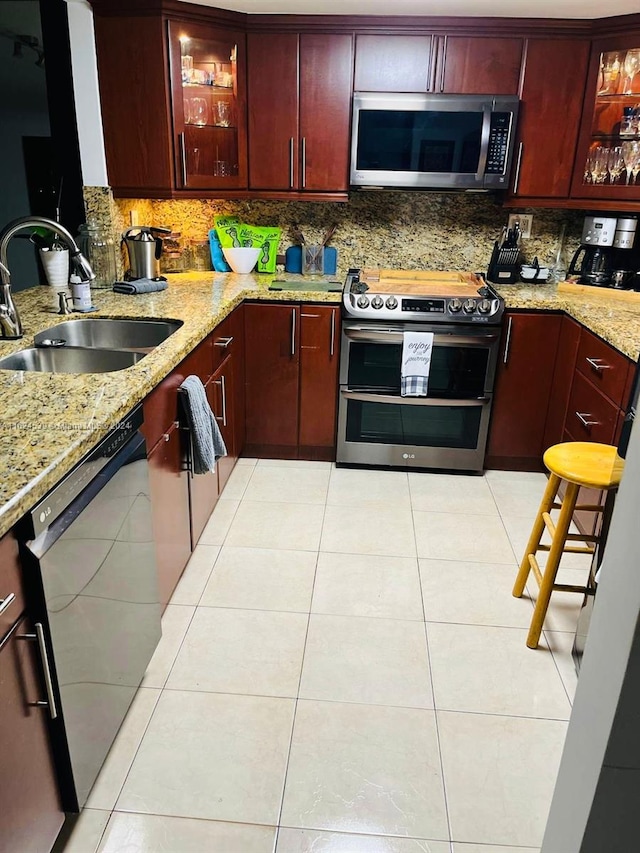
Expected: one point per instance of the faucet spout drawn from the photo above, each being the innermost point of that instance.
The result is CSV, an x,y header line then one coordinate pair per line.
x,y
10,323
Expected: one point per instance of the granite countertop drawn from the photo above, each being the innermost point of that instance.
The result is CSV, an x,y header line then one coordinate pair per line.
x,y
50,421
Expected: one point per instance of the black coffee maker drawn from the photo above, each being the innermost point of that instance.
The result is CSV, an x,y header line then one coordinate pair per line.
x,y
605,245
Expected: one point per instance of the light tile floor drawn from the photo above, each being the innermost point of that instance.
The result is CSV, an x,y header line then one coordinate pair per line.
x,y
343,669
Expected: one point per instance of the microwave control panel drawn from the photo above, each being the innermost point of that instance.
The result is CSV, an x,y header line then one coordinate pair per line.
x,y
499,143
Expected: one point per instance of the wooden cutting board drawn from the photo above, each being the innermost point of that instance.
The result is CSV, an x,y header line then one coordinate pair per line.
x,y
428,282
610,294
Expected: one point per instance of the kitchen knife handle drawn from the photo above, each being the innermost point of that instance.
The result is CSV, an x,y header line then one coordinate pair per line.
x,y
304,162
516,180
291,155
444,62
507,343
183,158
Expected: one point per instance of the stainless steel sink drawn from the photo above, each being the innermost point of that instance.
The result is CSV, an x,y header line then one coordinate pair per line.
x,y
108,334
70,360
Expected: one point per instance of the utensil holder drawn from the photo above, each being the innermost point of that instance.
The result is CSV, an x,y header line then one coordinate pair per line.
x,y
55,263
504,265
313,259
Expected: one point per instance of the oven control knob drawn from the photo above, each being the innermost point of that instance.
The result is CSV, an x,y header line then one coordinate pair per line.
x,y
484,306
469,306
377,302
363,301
455,305
392,303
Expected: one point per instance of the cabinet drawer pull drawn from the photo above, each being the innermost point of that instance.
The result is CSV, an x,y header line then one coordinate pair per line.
x,y
183,158
311,316
332,342
46,670
444,62
507,343
304,162
516,180
223,387
223,342
166,436
6,602
291,155
293,331
598,364
583,420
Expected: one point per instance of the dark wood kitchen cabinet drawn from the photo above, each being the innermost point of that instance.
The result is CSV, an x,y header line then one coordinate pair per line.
x,y
292,356
523,387
607,165
30,803
430,63
549,119
173,100
299,88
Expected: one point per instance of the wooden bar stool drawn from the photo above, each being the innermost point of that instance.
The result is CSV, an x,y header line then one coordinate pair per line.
x,y
578,463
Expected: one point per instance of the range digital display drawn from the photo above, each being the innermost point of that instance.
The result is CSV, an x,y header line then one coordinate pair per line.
x,y
425,306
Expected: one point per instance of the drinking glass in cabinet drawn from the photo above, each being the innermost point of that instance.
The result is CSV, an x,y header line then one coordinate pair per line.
x,y
631,69
198,111
186,61
616,165
223,114
610,66
631,156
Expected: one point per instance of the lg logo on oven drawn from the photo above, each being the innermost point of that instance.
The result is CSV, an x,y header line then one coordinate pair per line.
x,y
408,455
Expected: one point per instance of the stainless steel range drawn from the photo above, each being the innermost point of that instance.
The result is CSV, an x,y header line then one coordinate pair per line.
x,y
447,428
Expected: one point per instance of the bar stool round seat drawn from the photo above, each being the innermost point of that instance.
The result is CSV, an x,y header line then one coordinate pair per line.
x,y
577,463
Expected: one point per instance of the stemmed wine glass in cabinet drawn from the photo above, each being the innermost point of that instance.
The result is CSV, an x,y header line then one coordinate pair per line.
x,y
631,156
631,68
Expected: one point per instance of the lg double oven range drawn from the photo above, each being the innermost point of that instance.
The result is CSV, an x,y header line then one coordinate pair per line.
x,y
447,429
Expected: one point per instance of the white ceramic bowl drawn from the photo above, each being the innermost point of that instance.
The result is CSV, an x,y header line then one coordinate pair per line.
x,y
241,260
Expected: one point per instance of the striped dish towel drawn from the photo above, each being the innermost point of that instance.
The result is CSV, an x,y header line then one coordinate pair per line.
x,y
417,348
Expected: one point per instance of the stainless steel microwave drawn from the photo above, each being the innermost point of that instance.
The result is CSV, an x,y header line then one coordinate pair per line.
x,y
415,141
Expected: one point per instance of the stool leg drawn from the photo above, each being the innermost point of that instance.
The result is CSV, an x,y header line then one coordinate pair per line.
x,y
551,569
536,534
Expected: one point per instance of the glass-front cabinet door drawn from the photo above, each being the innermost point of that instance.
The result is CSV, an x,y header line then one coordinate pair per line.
x,y
208,89
608,161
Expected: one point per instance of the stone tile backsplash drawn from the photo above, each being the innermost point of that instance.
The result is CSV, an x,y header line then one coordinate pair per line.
x,y
413,230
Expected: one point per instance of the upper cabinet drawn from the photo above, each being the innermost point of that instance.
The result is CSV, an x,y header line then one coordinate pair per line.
x,y
608,157
447,64
550,112
300,94
209,106
173,100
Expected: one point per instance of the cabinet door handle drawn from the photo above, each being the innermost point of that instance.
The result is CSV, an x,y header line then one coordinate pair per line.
x,y
6,602
598,364
46,670
507,343
332,340
291,155
304,162
223,388
516,180
183,158
444,62
293,331
223,342
166,436
431,71
583,420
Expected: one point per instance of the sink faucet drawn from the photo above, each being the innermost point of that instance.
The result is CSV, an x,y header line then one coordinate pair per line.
x,y
10,323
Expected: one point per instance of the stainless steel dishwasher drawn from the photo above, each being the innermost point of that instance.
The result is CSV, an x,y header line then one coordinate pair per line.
x,y
89,561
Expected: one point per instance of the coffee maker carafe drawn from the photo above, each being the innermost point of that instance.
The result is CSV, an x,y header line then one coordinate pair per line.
x,y
144,247
604,240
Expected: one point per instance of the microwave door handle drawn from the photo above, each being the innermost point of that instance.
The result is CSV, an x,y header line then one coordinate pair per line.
x,y
484,142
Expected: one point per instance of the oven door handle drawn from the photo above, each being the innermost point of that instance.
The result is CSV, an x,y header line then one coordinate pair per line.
x,y
381,336
364,397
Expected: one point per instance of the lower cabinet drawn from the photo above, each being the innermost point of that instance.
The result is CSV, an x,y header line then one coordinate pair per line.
x,y
523,389
291,362
30,803
169,485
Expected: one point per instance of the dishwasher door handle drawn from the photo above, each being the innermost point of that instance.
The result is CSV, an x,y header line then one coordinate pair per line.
x,y
38,637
